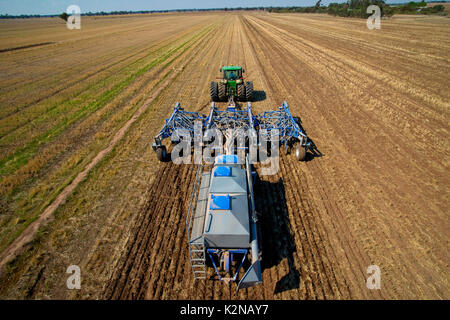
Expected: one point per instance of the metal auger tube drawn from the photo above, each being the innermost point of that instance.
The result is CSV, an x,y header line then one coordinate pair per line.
x,y
254,242
254,218
253,274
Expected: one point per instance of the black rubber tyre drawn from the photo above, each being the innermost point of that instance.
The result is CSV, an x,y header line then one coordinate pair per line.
x,y
222,92
214,91
241,92
300,152
284,150
249,91
161,153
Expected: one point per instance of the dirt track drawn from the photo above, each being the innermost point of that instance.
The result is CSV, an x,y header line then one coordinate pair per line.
x,y
376,105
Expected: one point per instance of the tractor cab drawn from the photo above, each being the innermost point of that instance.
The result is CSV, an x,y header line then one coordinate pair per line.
x,y
232,73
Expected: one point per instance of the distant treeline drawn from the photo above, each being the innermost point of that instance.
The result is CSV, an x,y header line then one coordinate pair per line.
x,y
358,8
418,8
112,13
351,8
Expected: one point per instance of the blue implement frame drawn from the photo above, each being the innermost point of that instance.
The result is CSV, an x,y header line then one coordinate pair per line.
x,y
284,122
180,119
216,252
232,118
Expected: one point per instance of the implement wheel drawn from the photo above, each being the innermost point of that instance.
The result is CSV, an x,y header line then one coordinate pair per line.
x,y
214,91
222,92
300,152
161,153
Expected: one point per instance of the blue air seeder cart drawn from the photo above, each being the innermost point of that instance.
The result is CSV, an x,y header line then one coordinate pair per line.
x,y
222,224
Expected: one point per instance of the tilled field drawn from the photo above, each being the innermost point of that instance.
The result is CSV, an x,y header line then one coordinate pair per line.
x,y
376,104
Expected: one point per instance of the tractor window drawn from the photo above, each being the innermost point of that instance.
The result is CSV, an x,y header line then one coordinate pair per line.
x,y
232,74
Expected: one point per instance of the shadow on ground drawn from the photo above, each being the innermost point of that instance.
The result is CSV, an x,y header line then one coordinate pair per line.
x,y
259,95
277,241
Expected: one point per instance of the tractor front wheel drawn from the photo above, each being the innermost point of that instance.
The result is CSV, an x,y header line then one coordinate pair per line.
x,y
222,92
249,91
214,91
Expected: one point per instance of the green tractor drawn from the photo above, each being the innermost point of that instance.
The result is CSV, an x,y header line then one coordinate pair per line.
x,y
231,86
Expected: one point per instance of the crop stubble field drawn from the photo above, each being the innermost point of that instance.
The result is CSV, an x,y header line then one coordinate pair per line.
x,y
376,103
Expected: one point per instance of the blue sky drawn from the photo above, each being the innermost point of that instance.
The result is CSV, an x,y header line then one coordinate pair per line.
x,y
17,7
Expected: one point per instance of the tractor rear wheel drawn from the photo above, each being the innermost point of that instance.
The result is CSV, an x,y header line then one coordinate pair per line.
x,y
241,92
222,92
161,153
300,152
214,91
249,91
